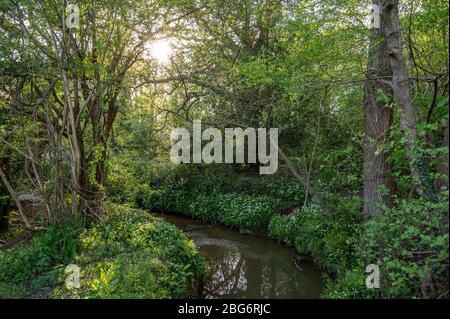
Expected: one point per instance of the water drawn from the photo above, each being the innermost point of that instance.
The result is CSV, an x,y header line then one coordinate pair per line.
x,y
242,266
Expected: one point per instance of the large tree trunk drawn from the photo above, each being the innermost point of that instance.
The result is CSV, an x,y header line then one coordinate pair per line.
x,y
400,84
377,122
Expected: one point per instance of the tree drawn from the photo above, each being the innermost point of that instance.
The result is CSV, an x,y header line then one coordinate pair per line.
x,y
76,80
378,115
400,85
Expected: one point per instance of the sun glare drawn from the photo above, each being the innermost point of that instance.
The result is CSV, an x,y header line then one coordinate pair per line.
x,y
161,50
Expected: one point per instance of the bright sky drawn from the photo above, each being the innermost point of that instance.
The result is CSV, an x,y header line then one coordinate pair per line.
x,y
161,50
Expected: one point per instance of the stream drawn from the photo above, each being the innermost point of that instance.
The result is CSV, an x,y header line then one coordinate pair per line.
x,y
244,266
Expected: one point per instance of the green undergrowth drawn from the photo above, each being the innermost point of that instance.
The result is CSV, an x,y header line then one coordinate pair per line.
x,y
410,245
409,241
207,194
230,209
128,254
329,239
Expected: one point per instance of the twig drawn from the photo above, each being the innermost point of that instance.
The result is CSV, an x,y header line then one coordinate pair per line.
x,y
19,205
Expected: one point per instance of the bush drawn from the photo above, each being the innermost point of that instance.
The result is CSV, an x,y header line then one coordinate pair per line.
x,y
132,254
216,196
243,211
234,210
129,254
341,169
287,190
410,244
330,240
38,263
286,227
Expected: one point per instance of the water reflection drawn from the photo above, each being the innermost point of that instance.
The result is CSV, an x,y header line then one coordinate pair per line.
x,y
249,267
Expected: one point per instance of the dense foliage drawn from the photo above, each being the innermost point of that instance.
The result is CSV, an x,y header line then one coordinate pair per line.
x,y
409,241
86,115
129,254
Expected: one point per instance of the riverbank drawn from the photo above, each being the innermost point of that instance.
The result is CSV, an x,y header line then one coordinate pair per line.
x,y
263,205
243,266
342,244
128,254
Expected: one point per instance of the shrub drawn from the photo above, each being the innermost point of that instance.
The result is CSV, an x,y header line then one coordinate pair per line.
x,y
132,254
286,189
39,262
330,240
120,182
246,211
286,227
410,244
128,254
234,210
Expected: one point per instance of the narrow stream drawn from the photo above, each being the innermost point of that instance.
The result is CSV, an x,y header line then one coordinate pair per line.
x,y
242,266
